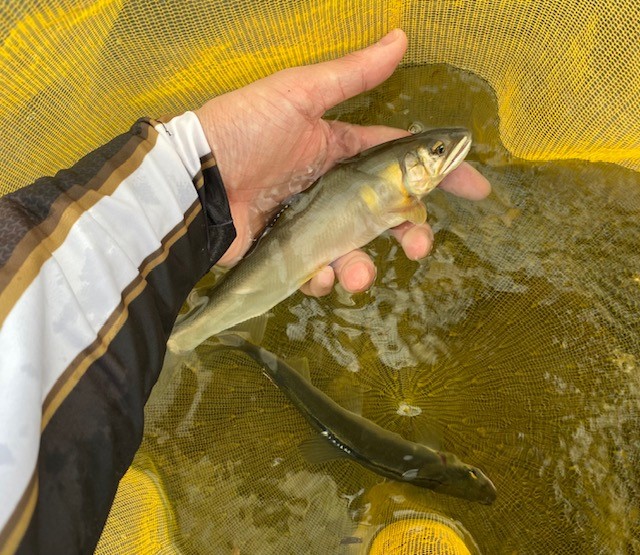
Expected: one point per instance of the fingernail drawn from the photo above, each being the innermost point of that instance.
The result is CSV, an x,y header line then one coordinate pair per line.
x,y
390,37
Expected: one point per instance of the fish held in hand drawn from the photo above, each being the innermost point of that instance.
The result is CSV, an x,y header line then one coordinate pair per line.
x,y
352,204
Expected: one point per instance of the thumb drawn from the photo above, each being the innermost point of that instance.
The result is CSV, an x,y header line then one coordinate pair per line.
x,y
329,83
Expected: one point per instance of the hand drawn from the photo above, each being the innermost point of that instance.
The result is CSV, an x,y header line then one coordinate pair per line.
x,y
270,141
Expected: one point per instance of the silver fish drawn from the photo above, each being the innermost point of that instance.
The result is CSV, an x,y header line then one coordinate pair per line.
x,y
344,434
345,209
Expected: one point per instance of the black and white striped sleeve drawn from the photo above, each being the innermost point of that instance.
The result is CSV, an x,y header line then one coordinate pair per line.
x,y
94,266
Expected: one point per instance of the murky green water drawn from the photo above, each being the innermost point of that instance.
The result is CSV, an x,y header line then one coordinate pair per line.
x,y
516,345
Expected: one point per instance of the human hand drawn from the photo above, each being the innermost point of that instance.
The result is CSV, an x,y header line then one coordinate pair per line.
x,y
270,142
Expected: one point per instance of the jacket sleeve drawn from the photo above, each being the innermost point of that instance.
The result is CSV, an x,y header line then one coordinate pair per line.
x,y
94,266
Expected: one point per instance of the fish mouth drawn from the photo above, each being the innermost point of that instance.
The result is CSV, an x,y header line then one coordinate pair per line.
x,y
458,154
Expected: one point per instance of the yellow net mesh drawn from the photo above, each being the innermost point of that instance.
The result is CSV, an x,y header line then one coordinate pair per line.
x,y
144,523
516,343
411,536
76,72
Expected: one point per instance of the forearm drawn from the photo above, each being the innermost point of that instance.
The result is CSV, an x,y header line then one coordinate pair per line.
x,y
94,266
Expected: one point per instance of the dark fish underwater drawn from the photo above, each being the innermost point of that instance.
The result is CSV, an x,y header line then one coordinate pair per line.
x,y
345,434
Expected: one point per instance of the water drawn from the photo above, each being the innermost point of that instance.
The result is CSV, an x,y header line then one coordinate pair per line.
x,y
516,345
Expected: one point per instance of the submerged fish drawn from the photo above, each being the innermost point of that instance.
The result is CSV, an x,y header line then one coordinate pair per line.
x,y
345,209
345,434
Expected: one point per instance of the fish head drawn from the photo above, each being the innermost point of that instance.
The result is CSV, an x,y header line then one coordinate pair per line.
x,y
468,482
445,473
430,156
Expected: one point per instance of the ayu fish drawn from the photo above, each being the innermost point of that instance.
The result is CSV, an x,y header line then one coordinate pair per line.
x,y
345,209
345,434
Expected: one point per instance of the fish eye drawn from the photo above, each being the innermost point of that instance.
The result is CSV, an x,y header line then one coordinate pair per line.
x,y
473,474
438,148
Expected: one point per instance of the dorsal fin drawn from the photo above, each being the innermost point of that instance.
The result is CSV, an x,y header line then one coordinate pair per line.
x,y
266,230
300,365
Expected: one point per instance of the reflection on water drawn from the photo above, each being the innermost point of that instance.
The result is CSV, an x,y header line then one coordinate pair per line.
x,y
516,345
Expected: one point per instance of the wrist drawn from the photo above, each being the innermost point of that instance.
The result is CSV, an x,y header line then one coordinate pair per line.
x,y
242,242
216,130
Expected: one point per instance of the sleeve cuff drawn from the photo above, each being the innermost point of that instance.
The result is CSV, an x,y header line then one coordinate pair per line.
x,y
187,138
190,143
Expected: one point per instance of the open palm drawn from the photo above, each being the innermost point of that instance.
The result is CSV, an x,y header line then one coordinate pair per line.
x,y
270,142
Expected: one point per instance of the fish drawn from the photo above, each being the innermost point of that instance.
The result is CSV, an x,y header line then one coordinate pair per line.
x,y
349,206
345,434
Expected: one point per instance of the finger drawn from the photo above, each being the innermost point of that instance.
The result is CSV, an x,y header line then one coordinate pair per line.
x,y
348,139
321,284
329,83
355,271
465,181
416,240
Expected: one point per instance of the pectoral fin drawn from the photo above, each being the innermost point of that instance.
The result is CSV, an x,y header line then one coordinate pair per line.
x,y
319,450
347,392
428,435
413,211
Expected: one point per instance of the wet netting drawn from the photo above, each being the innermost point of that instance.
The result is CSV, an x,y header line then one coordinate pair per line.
x,y
515,344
